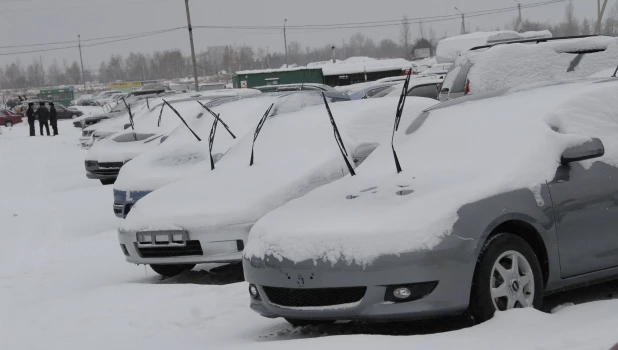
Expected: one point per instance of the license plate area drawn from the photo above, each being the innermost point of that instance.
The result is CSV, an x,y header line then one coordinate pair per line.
x,y
162,239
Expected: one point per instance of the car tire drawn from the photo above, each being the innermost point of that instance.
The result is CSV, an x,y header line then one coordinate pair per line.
x,y
496,285
171,270
8,124
304,323
108,181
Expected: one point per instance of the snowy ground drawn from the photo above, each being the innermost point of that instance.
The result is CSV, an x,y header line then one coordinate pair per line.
x,y
64,283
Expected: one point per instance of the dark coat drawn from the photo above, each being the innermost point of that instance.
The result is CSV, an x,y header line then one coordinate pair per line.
x,y
30,115
43,114
53,115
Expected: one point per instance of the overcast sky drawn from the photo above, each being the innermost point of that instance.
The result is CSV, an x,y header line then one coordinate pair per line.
x,y
43,21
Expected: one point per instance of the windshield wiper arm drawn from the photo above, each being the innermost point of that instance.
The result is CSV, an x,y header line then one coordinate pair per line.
x,y
211,141
181,118
218,117
130,118
402,102
344,152
160,114
258,129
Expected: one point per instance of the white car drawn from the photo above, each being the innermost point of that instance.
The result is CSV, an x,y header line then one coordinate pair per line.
x,y
419,86
207,217
181,155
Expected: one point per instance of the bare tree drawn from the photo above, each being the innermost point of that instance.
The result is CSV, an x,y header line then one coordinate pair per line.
x,y
571,26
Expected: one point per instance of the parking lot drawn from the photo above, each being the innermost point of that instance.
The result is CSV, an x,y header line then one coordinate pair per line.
x,y
64,283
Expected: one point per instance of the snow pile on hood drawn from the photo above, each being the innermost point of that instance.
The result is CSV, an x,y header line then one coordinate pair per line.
x,y
505,66
448,49
458,155
181,155
294,154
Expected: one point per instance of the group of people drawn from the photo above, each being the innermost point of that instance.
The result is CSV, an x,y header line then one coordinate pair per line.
x,y
45,117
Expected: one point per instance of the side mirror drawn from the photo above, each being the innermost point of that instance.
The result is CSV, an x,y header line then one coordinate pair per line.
x,y
589,150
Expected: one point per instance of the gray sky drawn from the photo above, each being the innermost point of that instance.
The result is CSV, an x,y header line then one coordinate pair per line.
x,y
41,21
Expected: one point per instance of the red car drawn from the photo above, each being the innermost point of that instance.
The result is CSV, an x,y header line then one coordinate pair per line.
x,y
8,118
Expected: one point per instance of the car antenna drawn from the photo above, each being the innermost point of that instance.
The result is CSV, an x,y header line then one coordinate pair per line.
x,y
218,117
130,118
181,118
402,102
211,141
344,152
258,129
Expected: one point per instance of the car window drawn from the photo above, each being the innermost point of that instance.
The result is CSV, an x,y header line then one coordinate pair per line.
x,y
374,92
459,84
429,91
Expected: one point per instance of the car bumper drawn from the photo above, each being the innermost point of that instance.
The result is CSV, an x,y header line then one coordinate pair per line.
x,y
102,170
85,142
452,269
125,200
223,246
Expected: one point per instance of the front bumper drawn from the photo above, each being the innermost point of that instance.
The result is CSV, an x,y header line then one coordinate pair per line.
x,y
125,200
103,170
85,142
451,268
202,246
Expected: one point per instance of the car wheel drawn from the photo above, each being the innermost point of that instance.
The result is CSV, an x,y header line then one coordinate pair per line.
x,y
303,323
171,270
8,124
108,181
508,275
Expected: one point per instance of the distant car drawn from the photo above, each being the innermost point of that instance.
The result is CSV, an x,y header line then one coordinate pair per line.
x,y
8,118
436,69
419,86
505,65
504,197
148,89
294,87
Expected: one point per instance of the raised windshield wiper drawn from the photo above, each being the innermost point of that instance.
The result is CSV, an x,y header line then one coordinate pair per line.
x,y
130,118
218,118
160,114
258,129
402,102
181,118
344,152
211,141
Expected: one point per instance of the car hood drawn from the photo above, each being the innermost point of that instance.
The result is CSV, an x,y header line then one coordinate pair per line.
x,y
123,146
295,153
450,157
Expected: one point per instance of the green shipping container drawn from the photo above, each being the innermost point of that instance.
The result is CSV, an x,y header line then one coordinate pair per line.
x,y
62,96
251,79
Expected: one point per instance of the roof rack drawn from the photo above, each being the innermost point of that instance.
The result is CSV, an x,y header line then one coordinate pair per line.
x,y
538,40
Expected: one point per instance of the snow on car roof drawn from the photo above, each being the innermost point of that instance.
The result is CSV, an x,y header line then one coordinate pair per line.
x,y
505,66
450,157
182,155
294,153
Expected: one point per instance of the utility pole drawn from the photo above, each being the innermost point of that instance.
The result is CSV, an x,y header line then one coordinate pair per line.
x,y
343,48
42,71
285,42
81,59
463,20
519,22
601,11
267,58
197,84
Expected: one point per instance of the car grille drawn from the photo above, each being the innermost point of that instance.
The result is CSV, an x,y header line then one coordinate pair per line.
x,y
111,165
108,168
106,171
314,297
192,248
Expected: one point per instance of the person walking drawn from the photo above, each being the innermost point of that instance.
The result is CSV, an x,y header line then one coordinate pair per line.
x,y
30,115
43,114
53,118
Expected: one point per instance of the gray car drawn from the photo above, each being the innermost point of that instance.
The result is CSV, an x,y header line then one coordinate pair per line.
x,y
338,254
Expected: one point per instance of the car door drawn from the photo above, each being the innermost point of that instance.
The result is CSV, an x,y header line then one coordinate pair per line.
x,y
585,200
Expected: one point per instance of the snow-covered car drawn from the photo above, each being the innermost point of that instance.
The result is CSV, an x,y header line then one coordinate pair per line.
x,y
181,155
144,132
508,65
436,69
503,197
294,87
207,217
419,86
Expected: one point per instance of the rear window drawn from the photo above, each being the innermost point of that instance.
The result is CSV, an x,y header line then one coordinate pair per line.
x,y
429,91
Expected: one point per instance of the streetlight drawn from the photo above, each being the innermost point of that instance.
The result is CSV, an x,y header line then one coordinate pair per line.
x,y
463,20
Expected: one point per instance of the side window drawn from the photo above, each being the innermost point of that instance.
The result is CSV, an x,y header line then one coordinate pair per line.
x,y
429,91
372,93
459,85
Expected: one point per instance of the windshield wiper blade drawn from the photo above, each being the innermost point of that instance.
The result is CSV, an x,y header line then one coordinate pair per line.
x,y
218,117
130,118
147,104
211,141
402,102
183,120
160,114
258,129
344,152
